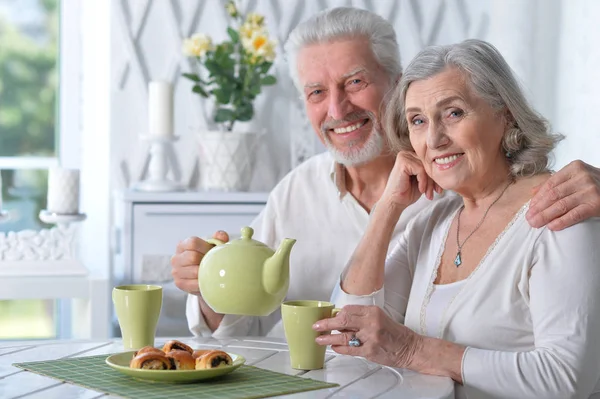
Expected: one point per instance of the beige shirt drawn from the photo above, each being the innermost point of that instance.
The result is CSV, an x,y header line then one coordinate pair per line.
x,y
310,204
529,314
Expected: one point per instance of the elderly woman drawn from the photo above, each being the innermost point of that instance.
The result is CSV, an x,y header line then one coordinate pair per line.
x,y
504,309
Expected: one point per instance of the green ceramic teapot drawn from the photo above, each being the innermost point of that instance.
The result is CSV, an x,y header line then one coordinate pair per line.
x,y
244,276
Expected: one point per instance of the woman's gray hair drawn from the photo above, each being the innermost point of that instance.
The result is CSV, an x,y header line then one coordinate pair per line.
x,y
346,23
527,144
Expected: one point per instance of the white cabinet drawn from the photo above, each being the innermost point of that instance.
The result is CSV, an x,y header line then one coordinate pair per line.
x,y
148,227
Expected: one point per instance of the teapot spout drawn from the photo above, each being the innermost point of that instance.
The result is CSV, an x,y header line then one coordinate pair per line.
x,y
276,271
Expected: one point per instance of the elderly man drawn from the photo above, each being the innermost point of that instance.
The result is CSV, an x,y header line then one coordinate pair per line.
x,y
344,61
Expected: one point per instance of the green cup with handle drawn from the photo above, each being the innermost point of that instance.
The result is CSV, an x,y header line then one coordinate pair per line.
x,y
138,308
298,318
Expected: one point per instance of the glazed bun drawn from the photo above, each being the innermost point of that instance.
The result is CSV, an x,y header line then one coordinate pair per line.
x,y
213,359
199,352
176,345
151,361
181,360
148,349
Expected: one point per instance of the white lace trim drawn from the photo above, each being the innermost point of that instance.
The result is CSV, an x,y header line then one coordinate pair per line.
x,y
430,287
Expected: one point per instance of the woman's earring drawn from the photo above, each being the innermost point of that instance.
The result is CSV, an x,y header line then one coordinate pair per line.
x,y
511,142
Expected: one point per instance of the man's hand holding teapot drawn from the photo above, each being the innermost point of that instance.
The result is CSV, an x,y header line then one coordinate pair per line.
x,y
186,261
184,269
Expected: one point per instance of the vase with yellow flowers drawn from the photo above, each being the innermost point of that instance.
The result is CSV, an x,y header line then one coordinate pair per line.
x,y
232,75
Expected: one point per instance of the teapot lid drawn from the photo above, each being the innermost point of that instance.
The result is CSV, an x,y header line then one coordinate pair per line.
x,y
246,238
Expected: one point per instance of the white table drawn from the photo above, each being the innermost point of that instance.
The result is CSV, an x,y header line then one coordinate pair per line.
x,y
357,377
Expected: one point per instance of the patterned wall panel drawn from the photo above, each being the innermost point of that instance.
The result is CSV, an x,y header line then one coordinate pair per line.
x,y
146,46
576,94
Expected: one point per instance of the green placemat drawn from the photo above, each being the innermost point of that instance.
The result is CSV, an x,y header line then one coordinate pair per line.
x,y
245,382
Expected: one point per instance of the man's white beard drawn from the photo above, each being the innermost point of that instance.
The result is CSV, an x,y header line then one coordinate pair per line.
x,y
357,154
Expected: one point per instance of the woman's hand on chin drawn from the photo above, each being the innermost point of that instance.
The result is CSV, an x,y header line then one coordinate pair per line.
x,y
408,180
382,340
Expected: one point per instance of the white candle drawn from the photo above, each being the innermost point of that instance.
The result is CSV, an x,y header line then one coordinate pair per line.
x,y
160,109
63,191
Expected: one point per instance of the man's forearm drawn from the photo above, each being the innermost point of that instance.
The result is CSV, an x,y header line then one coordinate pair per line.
x,y
212,319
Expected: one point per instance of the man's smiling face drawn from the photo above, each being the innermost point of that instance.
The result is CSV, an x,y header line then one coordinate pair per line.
x,y
344,87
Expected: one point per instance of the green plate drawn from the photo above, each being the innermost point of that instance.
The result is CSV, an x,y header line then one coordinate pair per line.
x,y
120,362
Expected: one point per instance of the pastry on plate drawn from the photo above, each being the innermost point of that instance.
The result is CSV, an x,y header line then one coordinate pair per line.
x,y
151,361
147,349
213,359
172,345
181,360
199,352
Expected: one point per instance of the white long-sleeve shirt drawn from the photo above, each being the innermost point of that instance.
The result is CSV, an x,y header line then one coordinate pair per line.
x,y
529,314
310,204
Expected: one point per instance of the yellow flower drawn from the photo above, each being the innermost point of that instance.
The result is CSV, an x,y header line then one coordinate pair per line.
x,y
197,45
267,51
246,31
231,9
259,45
255,19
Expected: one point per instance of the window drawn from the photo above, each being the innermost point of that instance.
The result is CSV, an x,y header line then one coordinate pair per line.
x,y
29,140
28,94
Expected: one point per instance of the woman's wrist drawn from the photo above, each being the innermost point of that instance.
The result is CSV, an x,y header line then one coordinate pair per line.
x,y
390,209
437,357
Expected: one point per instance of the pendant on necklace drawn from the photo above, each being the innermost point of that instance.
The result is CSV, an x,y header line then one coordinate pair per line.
x,y
457,260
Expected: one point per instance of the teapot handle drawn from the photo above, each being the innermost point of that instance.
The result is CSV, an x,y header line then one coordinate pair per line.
x,y
214,241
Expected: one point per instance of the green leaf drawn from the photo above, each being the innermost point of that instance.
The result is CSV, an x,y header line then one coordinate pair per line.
x,y
235,37
265,66
255,80
242,76
221,64
224,115
192,76
246,116
222,94
228,64
212,67
220,54
255,90
245,112
224,50
198,89
236,98
268,80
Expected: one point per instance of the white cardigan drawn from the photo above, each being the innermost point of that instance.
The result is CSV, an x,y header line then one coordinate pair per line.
x,y
529,314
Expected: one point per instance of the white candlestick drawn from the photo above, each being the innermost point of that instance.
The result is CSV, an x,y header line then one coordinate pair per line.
x,y
160,109
63,191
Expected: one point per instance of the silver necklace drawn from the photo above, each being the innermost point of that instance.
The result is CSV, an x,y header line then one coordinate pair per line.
x,y
458,258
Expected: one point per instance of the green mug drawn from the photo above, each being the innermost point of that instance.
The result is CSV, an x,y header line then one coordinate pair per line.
x,y
138,308
298,318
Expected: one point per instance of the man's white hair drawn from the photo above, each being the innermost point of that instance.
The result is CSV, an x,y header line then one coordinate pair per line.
x,y
346,23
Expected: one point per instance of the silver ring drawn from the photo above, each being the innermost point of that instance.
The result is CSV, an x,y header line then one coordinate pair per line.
x,y
354,341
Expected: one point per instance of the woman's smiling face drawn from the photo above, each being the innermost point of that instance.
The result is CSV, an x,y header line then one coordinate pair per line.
x,y
456,134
